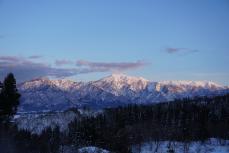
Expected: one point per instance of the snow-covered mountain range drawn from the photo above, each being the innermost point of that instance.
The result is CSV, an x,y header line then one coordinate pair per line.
x,y
117,89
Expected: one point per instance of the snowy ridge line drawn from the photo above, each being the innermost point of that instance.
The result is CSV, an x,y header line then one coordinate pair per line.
x,y
117,89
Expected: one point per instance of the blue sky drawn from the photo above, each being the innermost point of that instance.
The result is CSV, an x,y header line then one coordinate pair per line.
x,y
157,39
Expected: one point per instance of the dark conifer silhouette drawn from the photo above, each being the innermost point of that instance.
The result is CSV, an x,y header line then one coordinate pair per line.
x,y
9,98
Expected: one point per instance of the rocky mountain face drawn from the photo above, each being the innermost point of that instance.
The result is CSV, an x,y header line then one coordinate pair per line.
x,y
111,91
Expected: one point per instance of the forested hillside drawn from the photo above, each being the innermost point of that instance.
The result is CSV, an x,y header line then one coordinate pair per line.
x,y
182,120
118,129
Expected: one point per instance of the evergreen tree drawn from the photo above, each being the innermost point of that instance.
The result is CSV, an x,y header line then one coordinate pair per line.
x,y
9,98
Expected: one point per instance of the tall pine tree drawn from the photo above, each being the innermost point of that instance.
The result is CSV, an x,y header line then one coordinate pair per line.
x,y
9,98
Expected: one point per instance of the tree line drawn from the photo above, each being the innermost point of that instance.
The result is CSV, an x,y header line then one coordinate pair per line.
x,y
185,120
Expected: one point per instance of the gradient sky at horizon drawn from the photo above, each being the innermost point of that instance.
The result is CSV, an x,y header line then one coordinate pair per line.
x,y
158,40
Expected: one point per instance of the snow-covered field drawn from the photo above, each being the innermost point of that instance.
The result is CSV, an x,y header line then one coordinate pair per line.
x,y
210,146
88,149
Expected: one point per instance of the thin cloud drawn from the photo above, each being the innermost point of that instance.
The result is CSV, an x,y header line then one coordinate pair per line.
x,y
173,50
121,66
26,69
10,58
35,57
63,62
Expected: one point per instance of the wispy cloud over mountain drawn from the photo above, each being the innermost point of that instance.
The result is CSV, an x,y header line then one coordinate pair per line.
x,y
63,62
26,69
35,57
121,66
10,59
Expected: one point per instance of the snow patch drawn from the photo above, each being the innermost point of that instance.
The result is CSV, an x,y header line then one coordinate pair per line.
x,y
92,149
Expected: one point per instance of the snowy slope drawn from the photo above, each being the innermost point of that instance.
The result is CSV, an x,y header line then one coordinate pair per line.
x,y
117,89
210,146
37,122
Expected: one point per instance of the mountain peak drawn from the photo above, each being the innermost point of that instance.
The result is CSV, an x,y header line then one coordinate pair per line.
x,y
120,84
117,77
